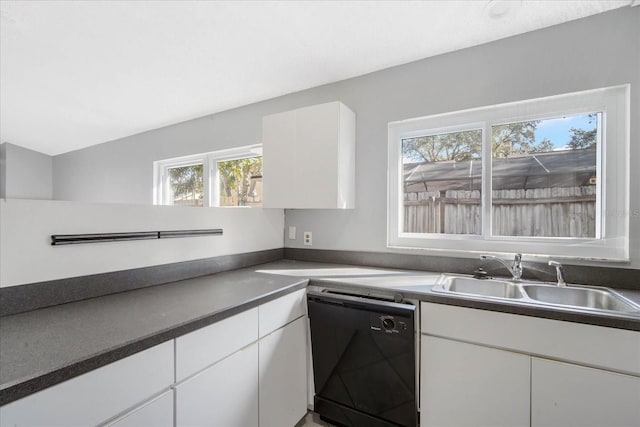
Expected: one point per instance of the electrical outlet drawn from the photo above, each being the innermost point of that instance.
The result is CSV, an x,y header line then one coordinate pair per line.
x,y
308,238
292,232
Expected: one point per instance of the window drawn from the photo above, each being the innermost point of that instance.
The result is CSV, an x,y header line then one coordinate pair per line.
x,y
186,185
220,178
240,182
547,176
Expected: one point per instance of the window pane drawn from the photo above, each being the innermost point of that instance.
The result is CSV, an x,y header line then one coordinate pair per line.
x,y
442,183
241,182
544,176
186,185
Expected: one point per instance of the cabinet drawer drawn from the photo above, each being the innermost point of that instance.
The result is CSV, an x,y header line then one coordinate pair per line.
x,y
277,313
98,395
610,348
157,413
206,346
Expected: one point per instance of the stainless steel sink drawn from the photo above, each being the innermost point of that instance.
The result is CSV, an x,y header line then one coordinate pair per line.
x,y
486,287
595,299
534,293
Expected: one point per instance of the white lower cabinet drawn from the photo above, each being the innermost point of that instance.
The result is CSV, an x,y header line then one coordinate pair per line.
x,y
488,368
226,394
564,395
283,375
157,413
470,385
263,384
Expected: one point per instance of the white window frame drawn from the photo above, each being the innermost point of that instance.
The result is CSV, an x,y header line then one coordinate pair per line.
x,y
612,230
210,172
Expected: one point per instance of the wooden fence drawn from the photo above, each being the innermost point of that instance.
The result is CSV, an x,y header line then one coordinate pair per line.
x,y
543,212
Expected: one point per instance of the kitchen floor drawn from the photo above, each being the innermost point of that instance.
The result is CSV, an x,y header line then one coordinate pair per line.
x,y
313,420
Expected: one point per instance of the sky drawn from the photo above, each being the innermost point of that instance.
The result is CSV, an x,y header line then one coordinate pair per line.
x,y
557,130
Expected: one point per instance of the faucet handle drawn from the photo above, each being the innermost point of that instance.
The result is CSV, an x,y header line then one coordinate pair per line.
x,y
559,272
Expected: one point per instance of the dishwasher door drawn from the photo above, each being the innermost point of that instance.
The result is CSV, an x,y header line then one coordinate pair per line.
x,y
363,360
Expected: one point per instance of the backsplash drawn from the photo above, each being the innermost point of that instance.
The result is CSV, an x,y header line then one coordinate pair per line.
x,y
27,256
623,278
18,299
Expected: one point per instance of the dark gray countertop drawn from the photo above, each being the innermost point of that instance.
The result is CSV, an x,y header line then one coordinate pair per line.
x,y
47,346
44,347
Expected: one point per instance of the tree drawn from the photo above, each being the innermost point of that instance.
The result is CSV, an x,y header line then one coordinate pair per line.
x,y
235,177
507,140
543,146
458,146
582,139
516,138
187,183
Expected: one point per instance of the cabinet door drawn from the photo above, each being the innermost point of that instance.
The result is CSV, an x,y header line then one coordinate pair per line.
x,y
157,413
283,375
226,394
564,395
469,385
279,155
318,141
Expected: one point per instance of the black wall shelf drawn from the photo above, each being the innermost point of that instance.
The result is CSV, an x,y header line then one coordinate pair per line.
x,y
73,239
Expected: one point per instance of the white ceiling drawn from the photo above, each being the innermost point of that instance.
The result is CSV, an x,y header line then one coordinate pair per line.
x,y
79,73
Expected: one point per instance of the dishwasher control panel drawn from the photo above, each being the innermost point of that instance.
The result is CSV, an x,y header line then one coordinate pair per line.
x,y
386,323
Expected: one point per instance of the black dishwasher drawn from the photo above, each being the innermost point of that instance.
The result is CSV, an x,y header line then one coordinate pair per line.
x,y
364,360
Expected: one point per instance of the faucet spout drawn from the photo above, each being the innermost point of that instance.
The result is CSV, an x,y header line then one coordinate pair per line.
x,y
515,269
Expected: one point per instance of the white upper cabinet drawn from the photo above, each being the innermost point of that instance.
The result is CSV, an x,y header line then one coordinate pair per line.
x,y
309,158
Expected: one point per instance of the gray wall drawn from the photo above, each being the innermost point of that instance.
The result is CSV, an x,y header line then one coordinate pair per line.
x,y
25,174
599,51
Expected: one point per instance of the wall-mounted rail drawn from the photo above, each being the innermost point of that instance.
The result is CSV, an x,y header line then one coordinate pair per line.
x,y
73,239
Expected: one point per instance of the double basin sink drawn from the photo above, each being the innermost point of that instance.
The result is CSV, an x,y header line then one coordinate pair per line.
x,y
582,297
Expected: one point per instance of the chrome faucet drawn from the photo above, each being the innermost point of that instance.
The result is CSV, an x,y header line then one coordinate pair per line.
x,y
515,269
559,273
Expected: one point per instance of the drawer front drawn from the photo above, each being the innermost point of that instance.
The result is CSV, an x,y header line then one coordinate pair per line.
x,y
609,348
277,313
157,413
98,395
206,346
